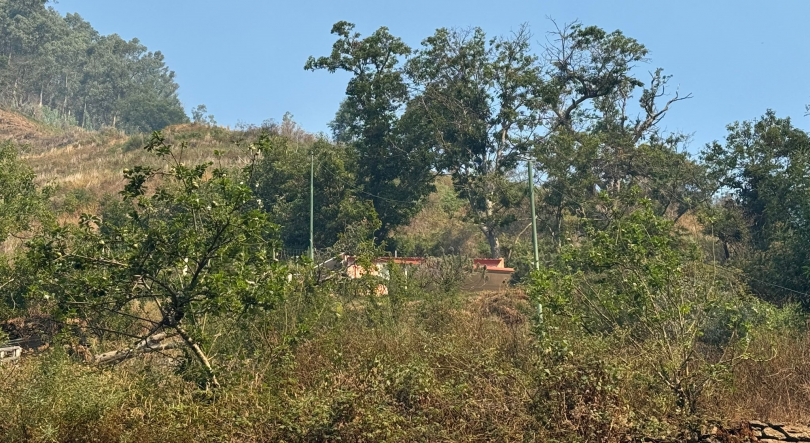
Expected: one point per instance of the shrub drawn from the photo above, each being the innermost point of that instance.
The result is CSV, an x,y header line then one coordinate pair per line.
x,y
633,280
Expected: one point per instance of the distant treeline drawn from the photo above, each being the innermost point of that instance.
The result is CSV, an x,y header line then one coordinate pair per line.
x,y
64,72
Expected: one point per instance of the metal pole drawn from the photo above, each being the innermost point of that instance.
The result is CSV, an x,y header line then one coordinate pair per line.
x,y
312,207
534,216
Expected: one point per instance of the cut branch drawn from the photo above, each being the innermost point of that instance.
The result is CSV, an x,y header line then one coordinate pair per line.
x,y
147,345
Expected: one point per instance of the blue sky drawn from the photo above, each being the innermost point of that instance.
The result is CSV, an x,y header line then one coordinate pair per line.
x,y
244,58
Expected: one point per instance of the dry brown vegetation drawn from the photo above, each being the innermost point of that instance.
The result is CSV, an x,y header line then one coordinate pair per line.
x,y
466,369
75,159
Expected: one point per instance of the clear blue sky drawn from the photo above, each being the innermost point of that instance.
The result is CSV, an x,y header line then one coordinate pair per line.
x,y
244,58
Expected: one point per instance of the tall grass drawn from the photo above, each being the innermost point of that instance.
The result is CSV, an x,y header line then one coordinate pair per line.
x,y
327,366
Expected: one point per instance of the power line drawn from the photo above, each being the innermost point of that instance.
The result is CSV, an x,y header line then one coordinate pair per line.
x,y
778,286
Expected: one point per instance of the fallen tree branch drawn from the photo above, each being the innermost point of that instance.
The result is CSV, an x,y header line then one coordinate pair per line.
x,y
147,345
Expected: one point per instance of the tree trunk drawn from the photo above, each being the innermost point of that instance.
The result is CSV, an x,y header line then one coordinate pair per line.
x,y
490,232
198,352
492,238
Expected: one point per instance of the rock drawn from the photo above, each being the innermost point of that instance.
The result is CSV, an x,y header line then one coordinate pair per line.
x,y
757,424
773,434
796,433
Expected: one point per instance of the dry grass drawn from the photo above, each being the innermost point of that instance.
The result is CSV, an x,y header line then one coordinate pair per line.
x,y
440,226
773,387
443,372
94,161
465,378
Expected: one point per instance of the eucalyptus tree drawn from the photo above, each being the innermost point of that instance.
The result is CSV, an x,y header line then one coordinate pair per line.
x,y
52,63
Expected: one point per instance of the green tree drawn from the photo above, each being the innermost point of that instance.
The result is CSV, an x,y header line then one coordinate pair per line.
x,y
393,169
480,100
765,167
593,142
195,246
53,64
282,182
634,282
198,116
147,112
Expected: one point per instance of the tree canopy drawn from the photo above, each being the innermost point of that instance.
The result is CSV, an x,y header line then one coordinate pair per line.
x,y
64,71
477,108
764,167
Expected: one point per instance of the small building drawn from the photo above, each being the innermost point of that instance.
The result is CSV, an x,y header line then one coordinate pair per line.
x,y
489,274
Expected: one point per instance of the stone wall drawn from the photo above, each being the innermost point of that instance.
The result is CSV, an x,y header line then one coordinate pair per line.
x,y
759,431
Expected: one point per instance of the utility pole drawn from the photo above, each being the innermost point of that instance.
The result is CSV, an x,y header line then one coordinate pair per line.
x,y
312,207
534,217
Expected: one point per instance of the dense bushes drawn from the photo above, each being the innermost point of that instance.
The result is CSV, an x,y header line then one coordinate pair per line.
x,y
321,368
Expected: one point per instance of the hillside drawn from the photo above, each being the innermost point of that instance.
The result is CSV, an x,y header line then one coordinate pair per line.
x,y
199,283
61,70
90,163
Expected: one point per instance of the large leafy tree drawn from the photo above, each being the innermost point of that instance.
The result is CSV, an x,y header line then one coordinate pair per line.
x,y
765,167
598,140
478,107
492,102
480,100
195,245
393,168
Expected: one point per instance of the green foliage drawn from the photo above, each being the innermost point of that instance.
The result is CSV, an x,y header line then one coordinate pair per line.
x,y
54,118
482,121
63,71
476,108
393,168
194,246
440,227
765,166
282,182
198,116
579,396
633,281
135,142
21,203
634,333
146,111
59,401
